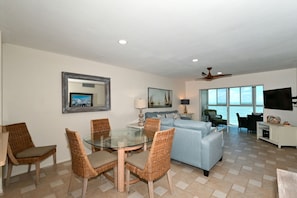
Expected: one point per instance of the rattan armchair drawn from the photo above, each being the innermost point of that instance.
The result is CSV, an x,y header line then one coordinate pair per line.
x,y
153,164
21,150
89,166
100,128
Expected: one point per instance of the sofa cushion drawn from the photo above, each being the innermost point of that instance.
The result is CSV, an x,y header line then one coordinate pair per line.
x,y
167,121
204,127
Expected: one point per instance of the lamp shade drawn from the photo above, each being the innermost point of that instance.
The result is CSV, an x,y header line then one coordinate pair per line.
x,y
185,101
140,103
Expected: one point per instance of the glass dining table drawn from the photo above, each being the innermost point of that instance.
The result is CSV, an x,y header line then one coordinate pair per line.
x,y
121,140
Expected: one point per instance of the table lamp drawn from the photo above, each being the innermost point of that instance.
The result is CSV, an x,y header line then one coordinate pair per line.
x,y
140,104
185,102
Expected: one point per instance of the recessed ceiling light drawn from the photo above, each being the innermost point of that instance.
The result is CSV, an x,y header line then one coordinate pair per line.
x,y
219,73
195,60
123,42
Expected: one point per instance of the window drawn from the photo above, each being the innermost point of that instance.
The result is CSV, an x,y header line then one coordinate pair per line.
x,y
229,101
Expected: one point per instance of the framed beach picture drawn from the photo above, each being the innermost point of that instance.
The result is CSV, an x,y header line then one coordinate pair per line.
x,y
81,100
159,98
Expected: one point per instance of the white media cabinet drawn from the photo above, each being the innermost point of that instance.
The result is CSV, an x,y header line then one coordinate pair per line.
x,y
277,134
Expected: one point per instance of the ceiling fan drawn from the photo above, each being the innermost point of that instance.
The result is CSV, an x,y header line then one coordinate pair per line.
x,y
209,76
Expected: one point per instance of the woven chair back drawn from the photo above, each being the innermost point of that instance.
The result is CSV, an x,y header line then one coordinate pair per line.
x,y
151,126
100,127
158,162
19,137
81,165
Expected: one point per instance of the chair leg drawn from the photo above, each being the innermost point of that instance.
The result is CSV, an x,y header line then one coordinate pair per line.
x,y
84,189
170,181
55,158
151,189
127,180
115,176
70,182
29,168
37,167
8,173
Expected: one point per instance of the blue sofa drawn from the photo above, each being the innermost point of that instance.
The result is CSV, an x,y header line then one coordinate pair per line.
x,y
195,142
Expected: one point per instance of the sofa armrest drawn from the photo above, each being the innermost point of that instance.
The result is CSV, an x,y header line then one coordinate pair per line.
x,y
186,146
212,150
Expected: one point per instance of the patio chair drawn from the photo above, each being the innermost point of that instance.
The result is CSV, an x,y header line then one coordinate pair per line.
x,y
214,118
242,121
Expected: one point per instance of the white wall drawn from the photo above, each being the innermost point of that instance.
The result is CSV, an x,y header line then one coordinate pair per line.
x,y
32,94
1,186
270,80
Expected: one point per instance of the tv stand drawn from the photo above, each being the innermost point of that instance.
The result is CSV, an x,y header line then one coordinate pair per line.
x,y
277,134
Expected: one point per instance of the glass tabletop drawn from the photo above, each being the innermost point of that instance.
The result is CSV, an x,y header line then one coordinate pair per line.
x,y
118,138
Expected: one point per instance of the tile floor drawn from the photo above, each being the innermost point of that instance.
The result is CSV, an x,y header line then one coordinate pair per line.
x,y
248,169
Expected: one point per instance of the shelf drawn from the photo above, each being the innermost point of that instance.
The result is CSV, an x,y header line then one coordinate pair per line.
x,y
278,134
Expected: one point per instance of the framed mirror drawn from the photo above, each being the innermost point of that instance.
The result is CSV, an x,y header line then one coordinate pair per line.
x,y
84,93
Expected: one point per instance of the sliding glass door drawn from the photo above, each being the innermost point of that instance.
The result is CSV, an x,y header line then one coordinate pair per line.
x,y
229,101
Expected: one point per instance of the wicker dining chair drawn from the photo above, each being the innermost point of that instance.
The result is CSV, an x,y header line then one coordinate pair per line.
x,y
21,150
89,166
153,164
100,128
151,126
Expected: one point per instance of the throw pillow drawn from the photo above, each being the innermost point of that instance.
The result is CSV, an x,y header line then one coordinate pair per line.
x,y
172,115
161,116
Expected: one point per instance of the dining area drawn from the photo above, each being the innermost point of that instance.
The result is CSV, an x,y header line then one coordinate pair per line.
x,y
116,153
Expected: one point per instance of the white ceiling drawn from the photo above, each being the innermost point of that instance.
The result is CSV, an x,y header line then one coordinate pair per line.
x,y
232,36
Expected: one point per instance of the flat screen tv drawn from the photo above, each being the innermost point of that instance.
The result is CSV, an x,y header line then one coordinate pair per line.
x,y
278,99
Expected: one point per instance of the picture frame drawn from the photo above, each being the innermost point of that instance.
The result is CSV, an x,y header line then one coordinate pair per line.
x,y
86,84
81,99
159,98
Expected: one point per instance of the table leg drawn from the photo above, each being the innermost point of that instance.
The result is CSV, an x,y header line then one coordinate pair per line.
x,y
121,169
121,165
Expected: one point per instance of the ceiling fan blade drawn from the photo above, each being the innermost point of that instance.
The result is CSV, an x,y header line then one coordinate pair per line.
x,y
208,76
221,76
203,79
